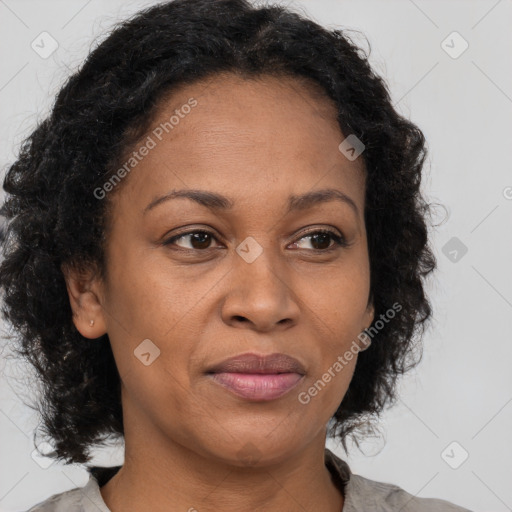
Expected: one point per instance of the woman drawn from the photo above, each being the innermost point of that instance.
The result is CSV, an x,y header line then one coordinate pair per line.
x,y
220,214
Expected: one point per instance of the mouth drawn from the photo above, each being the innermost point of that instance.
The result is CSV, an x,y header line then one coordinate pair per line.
x,y
258,378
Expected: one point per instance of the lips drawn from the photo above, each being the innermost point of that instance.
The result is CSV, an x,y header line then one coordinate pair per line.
x,y
253,363
258,378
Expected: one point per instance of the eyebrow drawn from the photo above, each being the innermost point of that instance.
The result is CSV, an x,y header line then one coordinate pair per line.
x,y
217,202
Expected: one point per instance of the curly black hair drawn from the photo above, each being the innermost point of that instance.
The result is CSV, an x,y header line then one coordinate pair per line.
x,y
53,217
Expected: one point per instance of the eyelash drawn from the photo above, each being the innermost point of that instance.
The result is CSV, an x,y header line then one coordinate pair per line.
x,y
339,241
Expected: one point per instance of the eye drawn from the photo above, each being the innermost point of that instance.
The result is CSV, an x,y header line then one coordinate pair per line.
x,y
321,240
199,240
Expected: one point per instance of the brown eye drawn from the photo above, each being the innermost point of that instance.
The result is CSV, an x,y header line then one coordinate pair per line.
x,y
198,240
320,240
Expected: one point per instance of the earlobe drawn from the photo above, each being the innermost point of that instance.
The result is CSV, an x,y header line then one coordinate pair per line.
x,y
84,298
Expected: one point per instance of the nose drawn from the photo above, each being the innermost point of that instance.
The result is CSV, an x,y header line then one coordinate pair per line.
x,y
260,295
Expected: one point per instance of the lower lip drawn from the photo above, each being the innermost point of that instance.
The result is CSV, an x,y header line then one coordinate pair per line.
x,y
257,386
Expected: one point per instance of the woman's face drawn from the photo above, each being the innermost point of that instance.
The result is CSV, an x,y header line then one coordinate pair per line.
x,y
254,283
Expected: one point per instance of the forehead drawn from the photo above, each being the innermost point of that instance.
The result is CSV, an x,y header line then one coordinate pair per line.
x,y
246,137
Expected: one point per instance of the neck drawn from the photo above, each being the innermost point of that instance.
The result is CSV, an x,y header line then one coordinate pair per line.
x,y
172,477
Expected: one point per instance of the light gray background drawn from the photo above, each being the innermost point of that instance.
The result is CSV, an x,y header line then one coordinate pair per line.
x,y
462,390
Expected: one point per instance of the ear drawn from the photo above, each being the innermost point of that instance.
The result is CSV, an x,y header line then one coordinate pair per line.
x,y
85,293
369,316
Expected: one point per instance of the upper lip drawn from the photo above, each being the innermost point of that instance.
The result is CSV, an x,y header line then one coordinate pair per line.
x,y
254,363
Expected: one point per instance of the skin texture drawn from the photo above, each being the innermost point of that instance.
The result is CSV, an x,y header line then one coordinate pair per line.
x,y
256,142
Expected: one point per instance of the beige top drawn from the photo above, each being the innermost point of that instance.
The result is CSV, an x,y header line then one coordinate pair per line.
x,y
361,494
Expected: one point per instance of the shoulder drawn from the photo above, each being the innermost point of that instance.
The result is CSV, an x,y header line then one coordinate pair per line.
x,y
80,499
365,495
69,500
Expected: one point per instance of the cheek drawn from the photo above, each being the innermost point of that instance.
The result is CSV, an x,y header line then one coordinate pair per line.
x,y
338,303
149,318
149,295
159,395
324,391
337,307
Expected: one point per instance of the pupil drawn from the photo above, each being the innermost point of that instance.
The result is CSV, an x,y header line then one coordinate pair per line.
x,y
203,240
323,236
